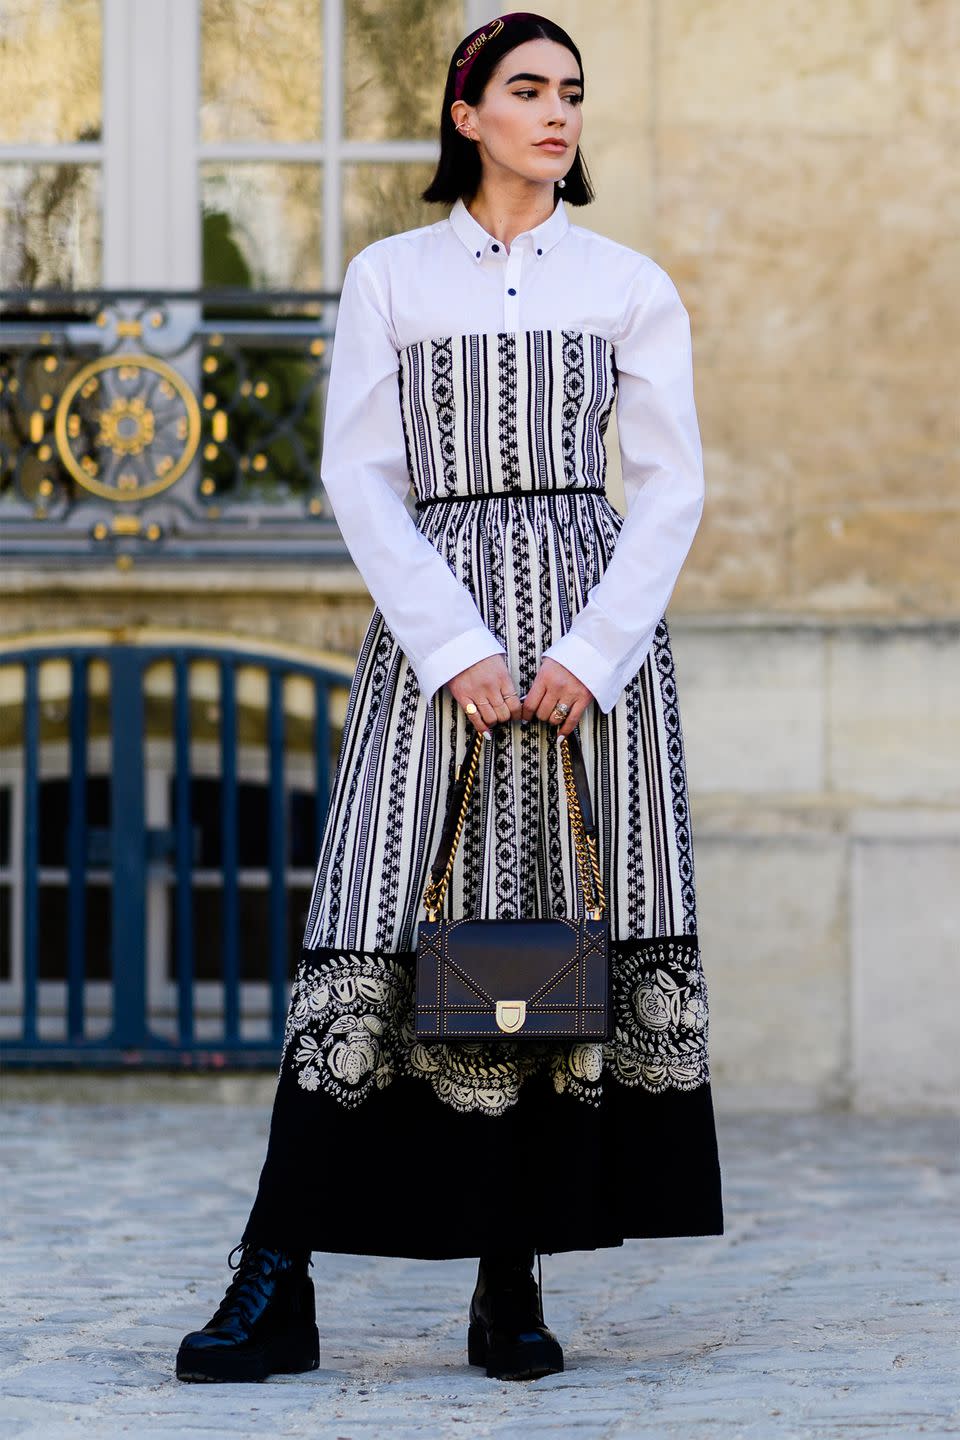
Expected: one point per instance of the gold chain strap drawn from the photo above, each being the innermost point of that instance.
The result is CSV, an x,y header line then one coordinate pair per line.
x,y
585,845
436,889
588,861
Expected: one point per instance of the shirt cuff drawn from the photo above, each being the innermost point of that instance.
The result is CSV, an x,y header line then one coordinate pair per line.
x,y
454,656
589,666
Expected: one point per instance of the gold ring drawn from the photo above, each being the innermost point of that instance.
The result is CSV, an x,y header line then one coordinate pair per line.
x,y
471,709
560,709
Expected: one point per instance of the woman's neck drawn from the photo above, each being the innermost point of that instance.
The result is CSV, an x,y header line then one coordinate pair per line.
x,y
506,213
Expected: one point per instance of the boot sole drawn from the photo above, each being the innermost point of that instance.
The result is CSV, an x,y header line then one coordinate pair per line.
x,y
528,1360
289,1354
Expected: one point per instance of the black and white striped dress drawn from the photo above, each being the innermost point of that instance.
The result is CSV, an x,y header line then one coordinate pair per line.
x,y
379,1144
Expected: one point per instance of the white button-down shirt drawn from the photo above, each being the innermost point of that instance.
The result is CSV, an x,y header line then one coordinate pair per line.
x,y
453,278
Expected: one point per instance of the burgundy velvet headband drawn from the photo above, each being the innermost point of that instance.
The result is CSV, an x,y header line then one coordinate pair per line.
x,y
476,42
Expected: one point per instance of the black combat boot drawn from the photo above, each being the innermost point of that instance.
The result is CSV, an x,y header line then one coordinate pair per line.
x,y
506,1332
266,1323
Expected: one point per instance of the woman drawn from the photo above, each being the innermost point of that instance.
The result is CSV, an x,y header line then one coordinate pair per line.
x,y
479,359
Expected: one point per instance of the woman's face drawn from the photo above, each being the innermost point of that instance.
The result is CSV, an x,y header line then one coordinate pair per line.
x,y
533,95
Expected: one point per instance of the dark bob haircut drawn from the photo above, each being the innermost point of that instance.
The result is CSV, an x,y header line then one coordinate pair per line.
x,y
459,168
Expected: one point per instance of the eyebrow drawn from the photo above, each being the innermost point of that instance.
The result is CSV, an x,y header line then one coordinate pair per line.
x,y
543,80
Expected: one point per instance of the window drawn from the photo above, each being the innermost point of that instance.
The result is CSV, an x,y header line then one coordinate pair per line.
x,y
251,143
317,131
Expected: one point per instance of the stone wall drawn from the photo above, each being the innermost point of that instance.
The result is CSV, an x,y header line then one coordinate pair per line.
x,y
792,167
825,796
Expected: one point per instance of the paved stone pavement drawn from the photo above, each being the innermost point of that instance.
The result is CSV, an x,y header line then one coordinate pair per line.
x,y
828,1308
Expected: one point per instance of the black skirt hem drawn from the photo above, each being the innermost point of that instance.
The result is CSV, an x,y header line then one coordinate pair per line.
x,y
407,1176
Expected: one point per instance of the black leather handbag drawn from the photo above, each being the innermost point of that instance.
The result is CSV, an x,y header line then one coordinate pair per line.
x,y
544,978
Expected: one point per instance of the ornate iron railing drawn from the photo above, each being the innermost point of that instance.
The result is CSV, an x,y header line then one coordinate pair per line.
x,y
183,424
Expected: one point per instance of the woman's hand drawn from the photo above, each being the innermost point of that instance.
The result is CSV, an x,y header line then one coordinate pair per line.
x,y
555,682
490,686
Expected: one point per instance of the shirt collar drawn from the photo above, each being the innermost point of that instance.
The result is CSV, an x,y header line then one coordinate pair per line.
x,y
477,241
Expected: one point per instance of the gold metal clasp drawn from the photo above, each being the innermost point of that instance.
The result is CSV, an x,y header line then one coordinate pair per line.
x,y
511,1014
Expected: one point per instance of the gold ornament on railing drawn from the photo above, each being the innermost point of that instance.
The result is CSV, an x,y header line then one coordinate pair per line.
x,y
127,427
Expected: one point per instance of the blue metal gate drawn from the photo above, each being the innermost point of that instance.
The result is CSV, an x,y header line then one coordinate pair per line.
x,y
226,848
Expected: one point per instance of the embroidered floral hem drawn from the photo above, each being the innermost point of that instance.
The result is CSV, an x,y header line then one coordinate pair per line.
x,y
350,1032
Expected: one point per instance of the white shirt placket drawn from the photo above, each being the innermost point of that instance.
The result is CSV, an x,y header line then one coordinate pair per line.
x,y
511,288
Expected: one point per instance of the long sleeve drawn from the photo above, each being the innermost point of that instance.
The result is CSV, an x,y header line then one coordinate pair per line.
x,y
364,471
662,459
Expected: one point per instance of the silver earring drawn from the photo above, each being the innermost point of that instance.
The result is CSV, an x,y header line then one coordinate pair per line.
x,y
561,184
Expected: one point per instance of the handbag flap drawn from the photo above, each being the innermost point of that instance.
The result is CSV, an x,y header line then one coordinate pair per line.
x,y
508,958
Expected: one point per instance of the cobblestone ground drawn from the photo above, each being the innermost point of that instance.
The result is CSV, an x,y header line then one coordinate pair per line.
x,y
828,1308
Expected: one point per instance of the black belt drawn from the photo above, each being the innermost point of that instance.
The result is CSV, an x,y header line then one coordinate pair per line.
x,y
513,494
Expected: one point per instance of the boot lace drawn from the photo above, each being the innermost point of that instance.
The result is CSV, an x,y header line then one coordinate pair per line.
x,y
247,1248
246,1292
